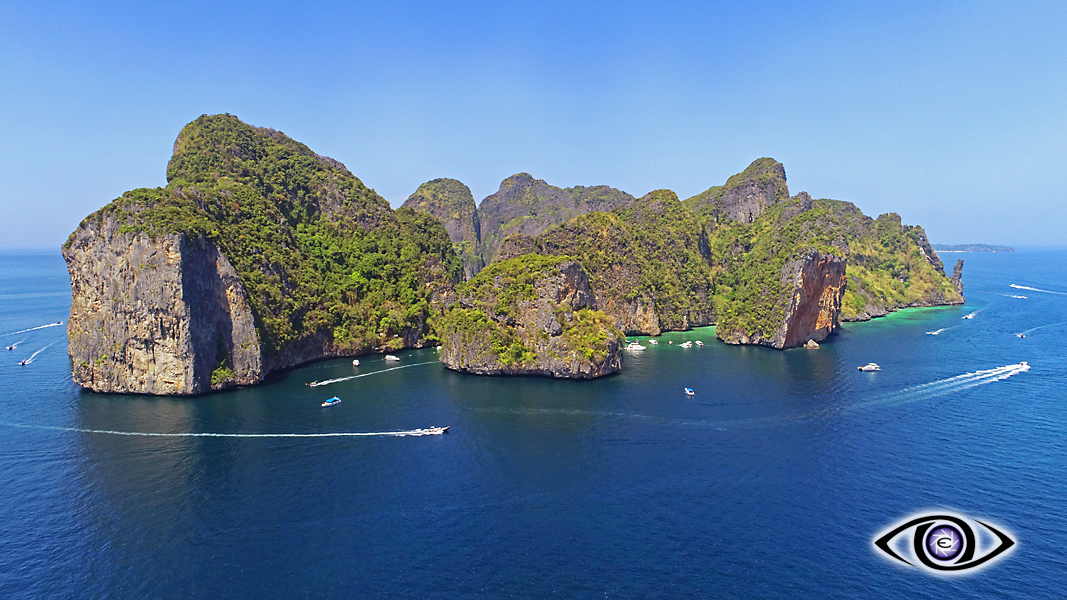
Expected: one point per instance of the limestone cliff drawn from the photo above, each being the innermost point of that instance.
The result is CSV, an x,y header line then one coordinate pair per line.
x,y
746,195
163,315
957,277
808,307
452,202
530,316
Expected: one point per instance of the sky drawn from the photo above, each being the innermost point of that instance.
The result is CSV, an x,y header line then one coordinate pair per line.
x,y
952,114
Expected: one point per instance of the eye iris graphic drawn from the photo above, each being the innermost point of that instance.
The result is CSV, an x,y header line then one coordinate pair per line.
x,y
944,542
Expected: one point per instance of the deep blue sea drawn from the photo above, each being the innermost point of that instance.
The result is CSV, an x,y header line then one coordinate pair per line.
x,y
771,482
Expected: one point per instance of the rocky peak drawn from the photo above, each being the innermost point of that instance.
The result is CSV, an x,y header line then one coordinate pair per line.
x,y
746,195
452,202
957,277
525,205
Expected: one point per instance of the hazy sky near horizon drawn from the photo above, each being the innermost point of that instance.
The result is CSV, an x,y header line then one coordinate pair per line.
x,y
952,114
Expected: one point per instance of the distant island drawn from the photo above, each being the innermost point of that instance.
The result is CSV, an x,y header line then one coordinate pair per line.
x,y
260,254
972,248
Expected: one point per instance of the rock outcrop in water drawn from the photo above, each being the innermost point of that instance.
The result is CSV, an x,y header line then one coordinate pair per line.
x,y
957,277
530,316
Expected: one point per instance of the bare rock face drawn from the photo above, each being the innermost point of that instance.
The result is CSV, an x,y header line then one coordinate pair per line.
x,y
812,287
553,331
746,195
957,277
156,316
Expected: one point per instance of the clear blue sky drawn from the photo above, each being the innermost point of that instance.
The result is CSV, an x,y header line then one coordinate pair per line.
x,y
952,114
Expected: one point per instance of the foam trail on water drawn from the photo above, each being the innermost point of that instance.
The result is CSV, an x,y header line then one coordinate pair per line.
x,y
340,379
409,433
34,355
1034,289
16,344
1040,327
34,328
938,331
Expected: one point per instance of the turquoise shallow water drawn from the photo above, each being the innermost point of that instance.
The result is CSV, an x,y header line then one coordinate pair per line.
x,y
770,482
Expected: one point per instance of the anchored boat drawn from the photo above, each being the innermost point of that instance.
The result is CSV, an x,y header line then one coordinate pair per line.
x,y
332,401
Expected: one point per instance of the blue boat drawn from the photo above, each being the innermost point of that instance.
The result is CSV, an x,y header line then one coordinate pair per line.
x,y
689,392
332,401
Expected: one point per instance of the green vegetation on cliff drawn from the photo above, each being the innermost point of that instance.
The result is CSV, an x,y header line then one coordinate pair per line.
x,y
509,311
652,250
318,252
452,202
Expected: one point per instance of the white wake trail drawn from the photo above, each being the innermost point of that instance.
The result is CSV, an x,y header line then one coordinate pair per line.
x,y
34,328
1021,333
938,331
1034,289
34,355
408,433
16,344
340,379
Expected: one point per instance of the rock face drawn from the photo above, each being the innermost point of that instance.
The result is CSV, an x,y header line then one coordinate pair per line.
x,y
648,261
746,195
530,316
524,205
957,277
452,202
157,316
813,285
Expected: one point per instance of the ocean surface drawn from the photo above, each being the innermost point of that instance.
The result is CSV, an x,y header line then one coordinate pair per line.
x,y
771,482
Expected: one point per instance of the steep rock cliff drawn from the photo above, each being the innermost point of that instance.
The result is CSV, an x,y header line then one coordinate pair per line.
x,y
808,306
530,316
957,277
746,195
163,315
452,202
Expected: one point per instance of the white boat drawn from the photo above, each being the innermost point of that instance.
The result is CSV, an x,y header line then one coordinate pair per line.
x,y
391,358
634,347
653,342
355,362
699,343
332,401
870,367
689,392
687,344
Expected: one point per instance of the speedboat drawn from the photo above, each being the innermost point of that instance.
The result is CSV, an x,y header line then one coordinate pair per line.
x,y
671,342
634,346
332,401
438,430
870,367
1022,335
690,392
24,362
653,342
687,344
699,343
355,362
10,347
391,358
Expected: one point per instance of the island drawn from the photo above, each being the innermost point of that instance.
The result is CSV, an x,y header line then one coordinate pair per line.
x,y
260,254
972,248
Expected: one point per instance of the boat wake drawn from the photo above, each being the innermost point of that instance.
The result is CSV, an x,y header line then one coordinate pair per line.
x,y
408,433
16,344
34,355
57,324
938,331
906,395
340,379
972,315
1034,289
1022,333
